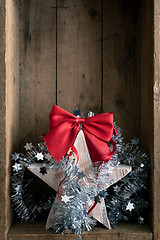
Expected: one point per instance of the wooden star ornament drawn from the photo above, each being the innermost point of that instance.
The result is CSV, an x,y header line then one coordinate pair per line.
x,y
85,165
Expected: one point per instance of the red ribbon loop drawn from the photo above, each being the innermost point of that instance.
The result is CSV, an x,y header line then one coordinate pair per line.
x,y
64,128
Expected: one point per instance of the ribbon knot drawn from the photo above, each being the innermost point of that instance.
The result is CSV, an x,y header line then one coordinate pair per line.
x,y
81,120
64,128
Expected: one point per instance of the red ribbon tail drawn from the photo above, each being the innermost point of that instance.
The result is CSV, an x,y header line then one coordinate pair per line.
x,y
74,149
115,131
109,155
90,210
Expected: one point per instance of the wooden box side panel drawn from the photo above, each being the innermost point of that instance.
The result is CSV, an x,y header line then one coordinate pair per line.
x,y
9,98
147,126
12,94
156,97
2,121
150,124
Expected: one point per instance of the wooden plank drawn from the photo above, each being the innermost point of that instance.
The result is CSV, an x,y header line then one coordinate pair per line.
x,y
79,55
12,96
37,67
156,97
147,114
2,120
122,232
122,64
9,98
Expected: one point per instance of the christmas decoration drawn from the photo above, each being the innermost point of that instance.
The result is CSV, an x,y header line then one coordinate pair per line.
x,y
84,188
131,192
85,169
97,130
29,204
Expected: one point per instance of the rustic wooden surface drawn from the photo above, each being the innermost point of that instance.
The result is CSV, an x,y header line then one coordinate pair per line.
x,y
156,97
122,232
9,99
79,55
122,64
12,95
52,178
147,120
2,122
37,68
76,56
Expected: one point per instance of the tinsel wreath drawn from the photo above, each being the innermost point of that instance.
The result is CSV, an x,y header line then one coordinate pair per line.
x,y
126,200
29,203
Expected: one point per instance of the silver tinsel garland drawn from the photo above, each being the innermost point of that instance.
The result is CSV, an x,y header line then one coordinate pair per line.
x,y
126,200
132,190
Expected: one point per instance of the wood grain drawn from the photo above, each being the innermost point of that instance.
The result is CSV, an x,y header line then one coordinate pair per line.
x,y
122,64
122,232
2,121
52,178
37,68
132,95
147,114
156,103
85,164
12,96
79,56
9,98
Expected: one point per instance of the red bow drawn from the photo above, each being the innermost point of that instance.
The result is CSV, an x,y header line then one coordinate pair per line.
x,y
65,126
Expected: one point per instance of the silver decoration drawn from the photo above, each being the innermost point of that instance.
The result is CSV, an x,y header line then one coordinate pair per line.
x,y
16,167
15,156
130,206
39,156
90,186
28,146
74,217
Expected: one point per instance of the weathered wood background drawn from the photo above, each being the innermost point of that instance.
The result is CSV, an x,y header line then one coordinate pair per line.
x,y
81,56
101,56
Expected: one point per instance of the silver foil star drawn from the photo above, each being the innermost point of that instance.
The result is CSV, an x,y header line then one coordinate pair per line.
x,y
66,198
28,146
130,206
15,156
18,188
116,188
90,114
81,175
39,156
43,170
77,112
141,220
48,156
67,231
16,167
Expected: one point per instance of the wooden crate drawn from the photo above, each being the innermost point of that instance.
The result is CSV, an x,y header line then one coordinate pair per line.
x,y
99,55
